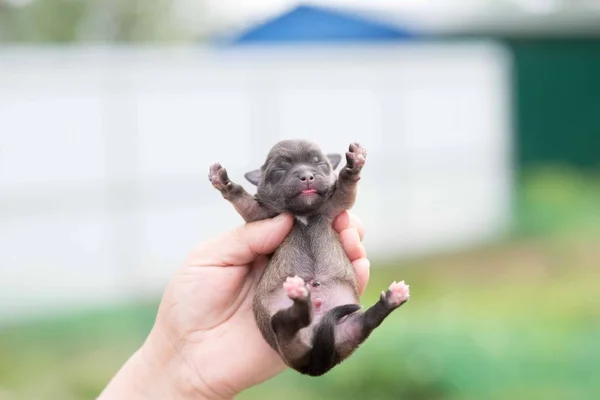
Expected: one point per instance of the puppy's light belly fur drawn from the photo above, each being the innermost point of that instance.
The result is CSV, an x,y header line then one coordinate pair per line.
x,y
323,299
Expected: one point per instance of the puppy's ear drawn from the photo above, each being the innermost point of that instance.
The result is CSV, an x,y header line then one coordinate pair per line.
x,y
334,159
253,176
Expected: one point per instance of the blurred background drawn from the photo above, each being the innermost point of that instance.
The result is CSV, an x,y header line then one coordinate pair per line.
x,y
482,187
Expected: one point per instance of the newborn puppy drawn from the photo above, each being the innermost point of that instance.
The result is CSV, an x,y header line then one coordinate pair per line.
x,y
306,303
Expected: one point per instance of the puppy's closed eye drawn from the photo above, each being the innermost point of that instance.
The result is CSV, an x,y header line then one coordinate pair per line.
x,y
323,164
277,174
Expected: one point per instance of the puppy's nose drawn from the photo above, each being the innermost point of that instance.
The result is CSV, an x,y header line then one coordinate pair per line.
x,y
306,176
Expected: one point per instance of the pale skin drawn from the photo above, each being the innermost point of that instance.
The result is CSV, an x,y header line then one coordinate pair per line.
x,y
205,343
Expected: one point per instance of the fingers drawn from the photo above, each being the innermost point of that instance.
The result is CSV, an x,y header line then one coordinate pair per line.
x,y
263,237
351,242
362,266
242,245
352,245
347,220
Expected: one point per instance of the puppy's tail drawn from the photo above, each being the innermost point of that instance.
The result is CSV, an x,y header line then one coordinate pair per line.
x,y
323,356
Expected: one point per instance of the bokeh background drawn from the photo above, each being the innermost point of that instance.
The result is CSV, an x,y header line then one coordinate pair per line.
x,y
482,188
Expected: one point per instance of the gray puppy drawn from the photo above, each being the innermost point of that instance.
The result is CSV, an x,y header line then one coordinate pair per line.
x,y
306,303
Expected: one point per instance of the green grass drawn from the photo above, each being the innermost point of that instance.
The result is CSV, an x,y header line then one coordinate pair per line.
x,y
472,331
551,200
517,319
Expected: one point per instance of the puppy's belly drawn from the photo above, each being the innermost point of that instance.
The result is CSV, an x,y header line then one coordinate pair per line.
x,y
323,298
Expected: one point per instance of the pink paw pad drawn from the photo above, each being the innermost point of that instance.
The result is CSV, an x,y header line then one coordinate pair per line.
x,y
217,175
356,157
295,288
399,293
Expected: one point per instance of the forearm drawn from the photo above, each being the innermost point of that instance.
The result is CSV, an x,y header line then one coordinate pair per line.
x,y
244,203
347,183
148,375
247,206
132,380
140,380
345,194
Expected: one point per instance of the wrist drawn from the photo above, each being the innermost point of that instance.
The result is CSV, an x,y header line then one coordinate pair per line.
x,y
153,372
141,379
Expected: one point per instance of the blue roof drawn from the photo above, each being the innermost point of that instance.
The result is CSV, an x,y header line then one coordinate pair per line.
x,y
315,24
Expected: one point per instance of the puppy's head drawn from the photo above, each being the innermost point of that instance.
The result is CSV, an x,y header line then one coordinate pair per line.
x,y
296,177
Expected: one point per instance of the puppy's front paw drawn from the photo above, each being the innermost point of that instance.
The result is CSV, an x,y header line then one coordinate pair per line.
x,y
397,294
217,175
295,288
355,158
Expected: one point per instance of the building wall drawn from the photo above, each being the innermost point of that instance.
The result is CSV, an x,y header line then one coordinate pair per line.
x,y
105,153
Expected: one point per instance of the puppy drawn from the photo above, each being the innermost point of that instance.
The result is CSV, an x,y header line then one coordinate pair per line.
x,y
306,303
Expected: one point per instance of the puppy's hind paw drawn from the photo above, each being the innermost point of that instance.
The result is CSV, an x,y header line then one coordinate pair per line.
x,y
397,294
295,288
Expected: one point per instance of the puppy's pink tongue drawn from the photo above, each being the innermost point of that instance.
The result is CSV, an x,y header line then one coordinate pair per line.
x,y
309,191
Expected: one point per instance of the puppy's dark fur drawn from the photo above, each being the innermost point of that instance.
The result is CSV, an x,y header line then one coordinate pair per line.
x,y
306,303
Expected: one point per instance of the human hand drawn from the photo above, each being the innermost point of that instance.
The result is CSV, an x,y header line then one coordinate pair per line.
x,y
205,343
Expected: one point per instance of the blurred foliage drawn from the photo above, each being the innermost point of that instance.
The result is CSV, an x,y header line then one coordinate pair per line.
x,y
516,319
66,21
551,199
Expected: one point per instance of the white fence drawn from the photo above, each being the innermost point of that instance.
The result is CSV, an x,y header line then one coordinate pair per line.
x,y
104,153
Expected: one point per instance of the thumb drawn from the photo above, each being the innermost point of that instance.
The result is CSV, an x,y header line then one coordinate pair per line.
x,y
243,244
